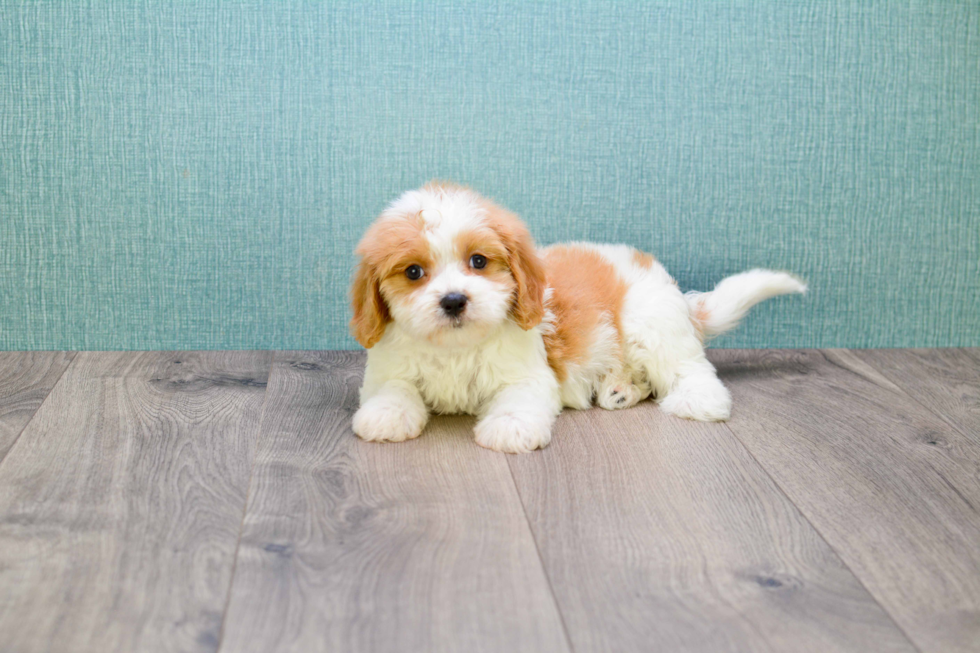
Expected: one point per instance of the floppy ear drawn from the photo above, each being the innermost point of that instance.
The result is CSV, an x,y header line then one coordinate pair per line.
x,y
370,310
525,265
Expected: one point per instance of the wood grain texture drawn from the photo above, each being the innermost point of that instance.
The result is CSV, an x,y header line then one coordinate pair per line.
x,y
663,534
26,378
121,503
893,489
355,546
945,381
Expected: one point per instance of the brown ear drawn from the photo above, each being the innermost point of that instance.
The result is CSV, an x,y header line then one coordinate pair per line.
x,y
525,265
370,310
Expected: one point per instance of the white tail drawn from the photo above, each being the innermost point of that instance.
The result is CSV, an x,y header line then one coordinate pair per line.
x,y
722,308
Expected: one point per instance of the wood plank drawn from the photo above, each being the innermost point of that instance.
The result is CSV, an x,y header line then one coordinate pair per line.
x,y
945,381
892,488
121,503
355,546
663,534
26,378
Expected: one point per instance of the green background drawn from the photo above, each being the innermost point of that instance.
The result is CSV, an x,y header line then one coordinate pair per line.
x,y
195,175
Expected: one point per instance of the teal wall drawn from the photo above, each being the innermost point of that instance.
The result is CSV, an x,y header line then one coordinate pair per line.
x,y
194,175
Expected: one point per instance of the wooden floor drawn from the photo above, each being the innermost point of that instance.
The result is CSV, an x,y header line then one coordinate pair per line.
x,y
202,501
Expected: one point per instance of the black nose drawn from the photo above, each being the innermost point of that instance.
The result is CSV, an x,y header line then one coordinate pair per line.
x,y
453,304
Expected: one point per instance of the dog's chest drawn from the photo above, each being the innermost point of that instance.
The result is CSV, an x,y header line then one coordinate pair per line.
x,y
460,379
460,382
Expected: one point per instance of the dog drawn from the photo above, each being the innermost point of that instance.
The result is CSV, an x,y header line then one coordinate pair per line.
x,y
461,313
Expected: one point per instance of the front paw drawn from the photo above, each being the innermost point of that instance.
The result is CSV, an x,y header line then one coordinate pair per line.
x,y
388,419
513,433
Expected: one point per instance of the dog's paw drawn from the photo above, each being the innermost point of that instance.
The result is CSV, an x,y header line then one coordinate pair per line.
x,y
615,394
389,419
705,401
513,433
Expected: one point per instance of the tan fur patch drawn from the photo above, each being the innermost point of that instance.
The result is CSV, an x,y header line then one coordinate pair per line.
x,y
486,243
388,248
586,288
525,265
642,259
483,241
698,318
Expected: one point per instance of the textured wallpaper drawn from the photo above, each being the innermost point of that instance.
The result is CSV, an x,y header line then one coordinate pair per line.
x,y
195,175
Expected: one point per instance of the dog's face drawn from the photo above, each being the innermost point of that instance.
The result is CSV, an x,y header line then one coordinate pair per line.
x,y
448,266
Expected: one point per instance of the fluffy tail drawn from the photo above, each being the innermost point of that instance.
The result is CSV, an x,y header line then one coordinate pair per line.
x,y
721,309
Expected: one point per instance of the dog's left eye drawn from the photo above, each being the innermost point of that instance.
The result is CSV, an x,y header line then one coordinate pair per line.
x,y
478,261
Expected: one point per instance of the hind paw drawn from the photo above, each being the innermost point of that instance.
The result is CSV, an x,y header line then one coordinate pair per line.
x,y
613,396
702,398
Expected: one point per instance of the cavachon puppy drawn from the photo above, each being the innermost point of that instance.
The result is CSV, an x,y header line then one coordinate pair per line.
x,y
460,313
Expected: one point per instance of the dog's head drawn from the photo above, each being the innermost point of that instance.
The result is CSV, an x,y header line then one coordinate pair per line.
x,y
448,266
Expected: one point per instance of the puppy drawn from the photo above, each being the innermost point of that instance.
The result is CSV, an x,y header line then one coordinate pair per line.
x,y
460,313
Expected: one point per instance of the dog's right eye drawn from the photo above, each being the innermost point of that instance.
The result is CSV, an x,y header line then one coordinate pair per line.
x,y
414,272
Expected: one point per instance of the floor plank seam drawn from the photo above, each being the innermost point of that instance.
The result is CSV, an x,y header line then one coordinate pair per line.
x,y
820,534
537,550
248,495
929,409
73,355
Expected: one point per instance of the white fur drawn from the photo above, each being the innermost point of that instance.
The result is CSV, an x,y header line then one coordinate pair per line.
x,y
395,412
485,364
504,378
731,299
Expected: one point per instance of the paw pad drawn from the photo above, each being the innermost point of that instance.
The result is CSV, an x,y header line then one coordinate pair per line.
x,y
619,396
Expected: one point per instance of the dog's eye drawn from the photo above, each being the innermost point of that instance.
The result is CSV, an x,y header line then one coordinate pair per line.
x,y
414,272
478,261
